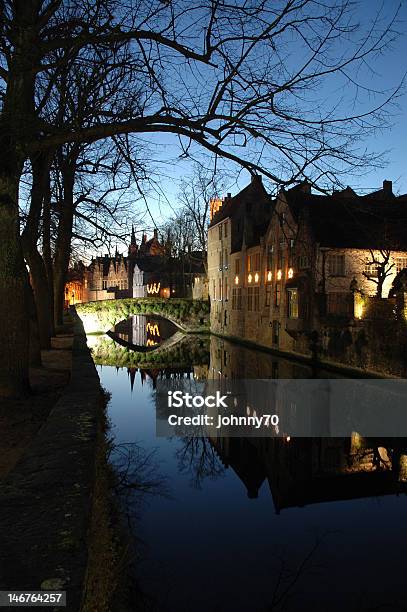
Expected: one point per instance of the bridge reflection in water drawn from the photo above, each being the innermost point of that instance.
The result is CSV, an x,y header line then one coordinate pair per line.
x,y
141,331
216,544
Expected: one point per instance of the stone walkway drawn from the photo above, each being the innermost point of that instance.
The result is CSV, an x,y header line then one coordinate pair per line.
x,y
45,499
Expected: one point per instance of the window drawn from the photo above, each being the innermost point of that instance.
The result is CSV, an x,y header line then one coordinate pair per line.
x,y
237,266
256,298
250,298
270,258
220,232
249,263
237,298
401,263
277,294
280,260
220,260
340,303
226,229
213,290
336,265
256,262
268,295
220,290
276,333
225,293
303,262
371,270
292,303
225,259
291,254
104,284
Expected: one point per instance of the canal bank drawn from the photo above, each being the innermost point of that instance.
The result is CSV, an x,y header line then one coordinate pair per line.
x,y
55,514
315,363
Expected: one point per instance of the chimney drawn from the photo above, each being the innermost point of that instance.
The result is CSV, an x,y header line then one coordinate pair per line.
x,y
388,187
156,233
256,178
229,196
144,238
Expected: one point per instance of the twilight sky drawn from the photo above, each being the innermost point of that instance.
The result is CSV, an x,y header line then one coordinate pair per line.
x,y
389,71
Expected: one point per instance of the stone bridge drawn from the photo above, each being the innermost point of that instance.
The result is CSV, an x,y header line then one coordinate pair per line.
x,y
190,316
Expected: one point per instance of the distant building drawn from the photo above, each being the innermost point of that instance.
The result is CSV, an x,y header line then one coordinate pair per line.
x,y
281,269
148,270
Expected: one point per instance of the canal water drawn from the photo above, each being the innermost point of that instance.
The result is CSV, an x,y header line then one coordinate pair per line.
x,y
240,525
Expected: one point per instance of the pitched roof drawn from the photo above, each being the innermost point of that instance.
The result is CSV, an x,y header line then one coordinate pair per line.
x,y
374,222
250,211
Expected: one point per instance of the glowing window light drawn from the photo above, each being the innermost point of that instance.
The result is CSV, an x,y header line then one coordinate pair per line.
x,y
236,280
153,288
249,278
256,278
290,273
153,329
269,276
279,274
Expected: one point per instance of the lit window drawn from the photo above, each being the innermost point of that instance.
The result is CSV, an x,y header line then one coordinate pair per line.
x,y
292,302
371,270
401,263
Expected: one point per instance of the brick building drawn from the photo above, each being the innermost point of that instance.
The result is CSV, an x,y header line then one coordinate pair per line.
x,y
281,269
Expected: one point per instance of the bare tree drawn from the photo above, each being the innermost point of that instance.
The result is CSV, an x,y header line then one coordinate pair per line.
x,y
196,193
378,267
240,80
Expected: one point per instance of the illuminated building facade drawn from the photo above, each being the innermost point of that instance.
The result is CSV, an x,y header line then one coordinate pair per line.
x,y
282,269
148,270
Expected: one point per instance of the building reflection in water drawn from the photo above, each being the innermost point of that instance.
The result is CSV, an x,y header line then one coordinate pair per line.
x,y
298,471
144,331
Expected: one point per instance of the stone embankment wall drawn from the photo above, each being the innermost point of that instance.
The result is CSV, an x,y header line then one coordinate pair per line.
x,y
45,502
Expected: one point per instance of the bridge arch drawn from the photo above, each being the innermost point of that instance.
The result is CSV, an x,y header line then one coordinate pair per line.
x,y
187,314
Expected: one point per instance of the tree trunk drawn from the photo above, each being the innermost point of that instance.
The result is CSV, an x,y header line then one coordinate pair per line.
x,y
46,251
14,322
41,296
17,126
63,243
40,171
35,348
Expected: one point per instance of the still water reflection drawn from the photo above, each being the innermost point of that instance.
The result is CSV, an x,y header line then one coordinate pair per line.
x,y
141,331
259,524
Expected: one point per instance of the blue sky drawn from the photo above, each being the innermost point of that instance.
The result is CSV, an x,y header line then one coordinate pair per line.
x,y
389,71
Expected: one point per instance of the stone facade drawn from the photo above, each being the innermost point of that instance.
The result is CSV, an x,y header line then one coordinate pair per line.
x,y
313,266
